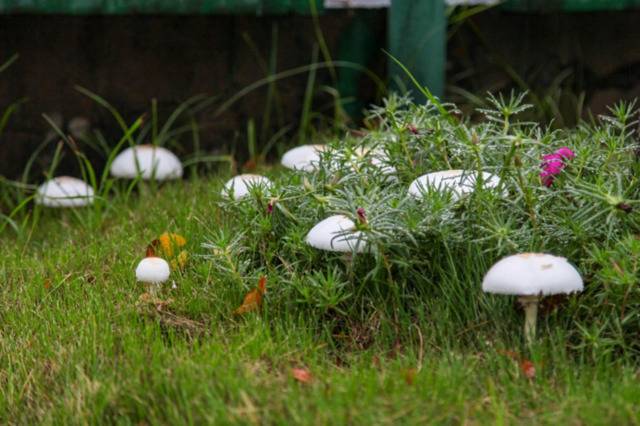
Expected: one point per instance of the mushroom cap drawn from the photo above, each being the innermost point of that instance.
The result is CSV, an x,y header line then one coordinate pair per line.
x,y
304,157
154,162
532,274
64,191
328,235
460,182
240,186
152,270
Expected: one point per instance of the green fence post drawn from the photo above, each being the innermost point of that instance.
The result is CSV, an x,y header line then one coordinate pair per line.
x,y
417,38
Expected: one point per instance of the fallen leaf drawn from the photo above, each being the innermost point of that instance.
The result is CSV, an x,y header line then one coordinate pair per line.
x,y
169,247
410,376
302,375
253,300
528,369
526,366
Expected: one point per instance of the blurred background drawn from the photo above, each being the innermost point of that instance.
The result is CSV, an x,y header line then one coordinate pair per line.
x,y
273,73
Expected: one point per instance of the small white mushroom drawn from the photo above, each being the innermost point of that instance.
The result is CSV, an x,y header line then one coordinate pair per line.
x,y
79,127
304,157
153,271
336,233
148,161
532,276
64,191
459,182
240,186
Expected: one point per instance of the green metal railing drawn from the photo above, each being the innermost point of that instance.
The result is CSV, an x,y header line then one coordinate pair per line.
x,y
570,5
177,7
416,28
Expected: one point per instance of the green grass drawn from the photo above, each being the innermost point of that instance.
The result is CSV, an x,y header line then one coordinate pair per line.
x,y
75,348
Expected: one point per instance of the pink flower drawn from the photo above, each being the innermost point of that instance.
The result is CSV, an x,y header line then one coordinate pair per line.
x,y
565,153
552,164
553,167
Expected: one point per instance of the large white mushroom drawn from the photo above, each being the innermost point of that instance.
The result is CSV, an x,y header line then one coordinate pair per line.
x,y
64,191
148,162
153,271
336,233
531,276
459,182
240,186
304,157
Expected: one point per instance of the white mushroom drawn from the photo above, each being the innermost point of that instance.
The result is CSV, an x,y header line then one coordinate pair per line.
x,y
148,161
64,191
240,186
459,182
79,127
304,157
336,233
153,271
532,276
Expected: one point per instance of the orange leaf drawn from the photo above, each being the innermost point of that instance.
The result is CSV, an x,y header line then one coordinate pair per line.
x,y
253,300
302,375
410,376
168,246
528,369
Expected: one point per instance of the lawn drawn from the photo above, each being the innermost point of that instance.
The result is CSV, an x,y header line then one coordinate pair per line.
x,y
399,332
78,347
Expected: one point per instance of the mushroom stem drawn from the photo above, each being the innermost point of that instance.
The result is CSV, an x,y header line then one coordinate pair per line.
x,y
530,305
153,289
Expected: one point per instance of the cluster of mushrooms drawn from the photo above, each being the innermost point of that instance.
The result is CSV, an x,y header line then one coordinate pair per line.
x,y
530,276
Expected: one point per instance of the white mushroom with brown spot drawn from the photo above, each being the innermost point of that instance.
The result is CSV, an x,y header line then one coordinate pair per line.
x,y
64,191
531,276
459,182
337,233
147,161
240,186
153,271
304,157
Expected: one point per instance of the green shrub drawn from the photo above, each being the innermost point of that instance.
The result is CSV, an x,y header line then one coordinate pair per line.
x,y
428,256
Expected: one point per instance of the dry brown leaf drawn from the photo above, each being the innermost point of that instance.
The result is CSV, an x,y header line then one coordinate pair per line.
x,y
253,300
526,366
410,376
302,375
528,369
